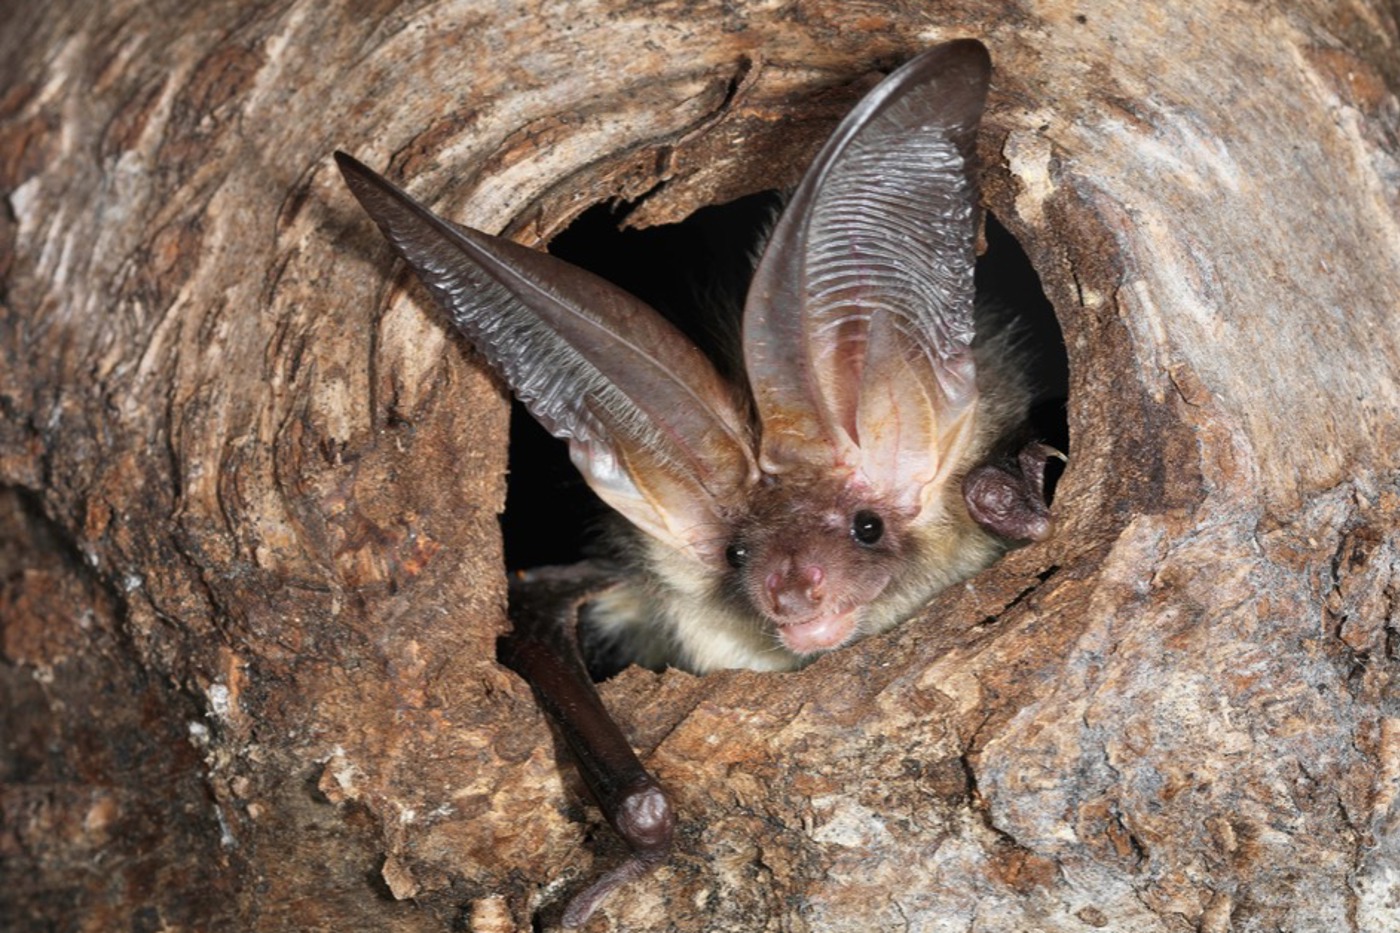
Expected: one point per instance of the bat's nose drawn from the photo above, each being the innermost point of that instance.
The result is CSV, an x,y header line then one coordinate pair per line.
x,y
795,590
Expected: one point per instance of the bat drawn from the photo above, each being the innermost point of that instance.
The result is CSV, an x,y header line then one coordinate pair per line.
x,y
875,453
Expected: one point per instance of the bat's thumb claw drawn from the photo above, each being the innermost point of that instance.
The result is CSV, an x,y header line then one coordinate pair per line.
x,y
647,821
1008,498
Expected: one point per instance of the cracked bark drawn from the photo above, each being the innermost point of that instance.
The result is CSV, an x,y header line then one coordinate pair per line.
x,y
251,581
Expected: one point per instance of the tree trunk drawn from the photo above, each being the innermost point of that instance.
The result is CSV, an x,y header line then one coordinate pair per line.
x,y
250,568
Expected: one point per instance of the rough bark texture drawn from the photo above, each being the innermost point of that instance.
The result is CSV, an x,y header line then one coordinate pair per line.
x,y
250,574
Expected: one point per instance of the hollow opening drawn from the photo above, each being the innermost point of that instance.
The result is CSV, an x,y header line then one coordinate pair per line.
x,y
696,273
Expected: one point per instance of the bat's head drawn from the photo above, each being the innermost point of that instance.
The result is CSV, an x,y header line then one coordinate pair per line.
x,y
813,555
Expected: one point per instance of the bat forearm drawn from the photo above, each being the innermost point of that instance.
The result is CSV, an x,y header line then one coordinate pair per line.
x,y
543,649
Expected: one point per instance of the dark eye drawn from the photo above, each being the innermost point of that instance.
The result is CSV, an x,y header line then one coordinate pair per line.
x,y
867,527
736,554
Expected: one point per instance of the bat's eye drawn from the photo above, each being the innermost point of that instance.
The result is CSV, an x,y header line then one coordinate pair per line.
x,y
737,555
867,527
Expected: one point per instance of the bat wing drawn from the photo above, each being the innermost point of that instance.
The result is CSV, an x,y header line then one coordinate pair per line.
x,y
858,326
651,425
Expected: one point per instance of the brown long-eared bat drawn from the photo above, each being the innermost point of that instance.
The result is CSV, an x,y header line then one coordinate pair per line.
x,y
875,455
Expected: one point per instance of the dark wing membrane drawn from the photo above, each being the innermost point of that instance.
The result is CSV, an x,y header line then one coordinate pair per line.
x,y
859,323
651,425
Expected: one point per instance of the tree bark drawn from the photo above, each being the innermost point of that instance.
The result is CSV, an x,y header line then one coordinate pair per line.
x,y
250,571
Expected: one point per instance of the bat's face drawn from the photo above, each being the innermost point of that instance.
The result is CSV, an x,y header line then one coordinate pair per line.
x,y
813,555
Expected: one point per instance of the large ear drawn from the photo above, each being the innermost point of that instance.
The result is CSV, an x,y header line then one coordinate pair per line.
x,y
653,428
858,325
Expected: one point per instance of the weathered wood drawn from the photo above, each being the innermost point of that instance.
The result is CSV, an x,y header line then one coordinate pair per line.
x,y
250,579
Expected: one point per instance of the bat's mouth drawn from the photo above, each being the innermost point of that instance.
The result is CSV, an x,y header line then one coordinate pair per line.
x,y
821,633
